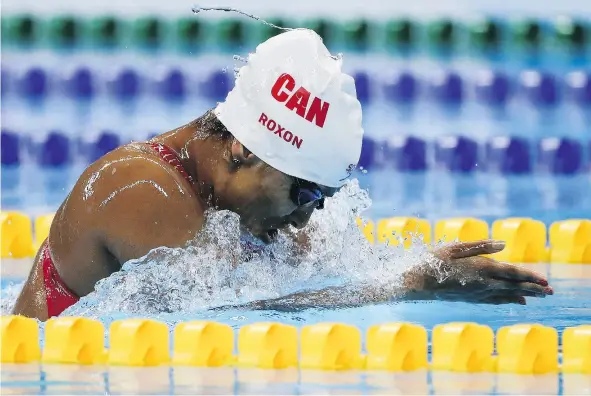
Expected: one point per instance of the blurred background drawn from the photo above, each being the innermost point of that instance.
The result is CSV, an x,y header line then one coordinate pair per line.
x,y
471,108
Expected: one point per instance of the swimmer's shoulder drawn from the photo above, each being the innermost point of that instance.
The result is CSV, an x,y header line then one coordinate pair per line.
x,y
137,162
129,202
134,176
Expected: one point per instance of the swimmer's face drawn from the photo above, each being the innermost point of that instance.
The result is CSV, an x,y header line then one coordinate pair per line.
x,y
264,196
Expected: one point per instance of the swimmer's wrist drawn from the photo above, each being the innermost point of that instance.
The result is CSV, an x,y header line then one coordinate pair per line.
x,y
414,286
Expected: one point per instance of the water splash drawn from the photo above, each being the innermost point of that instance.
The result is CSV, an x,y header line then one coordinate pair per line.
x,y
220,267
240,58
197,10
8,296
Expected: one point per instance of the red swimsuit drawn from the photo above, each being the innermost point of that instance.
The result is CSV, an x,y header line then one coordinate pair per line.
x,y
59,296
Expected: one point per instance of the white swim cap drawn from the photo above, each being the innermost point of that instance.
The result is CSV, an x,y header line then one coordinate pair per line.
x,y
294,109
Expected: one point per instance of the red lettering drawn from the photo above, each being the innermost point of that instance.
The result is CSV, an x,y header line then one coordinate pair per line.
x,y
299,101
297,141
286,138
285,81
317,112
280,131
269,127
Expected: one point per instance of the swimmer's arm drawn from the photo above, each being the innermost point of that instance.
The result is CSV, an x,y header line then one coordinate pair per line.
x,y
345,296
469,277
338,297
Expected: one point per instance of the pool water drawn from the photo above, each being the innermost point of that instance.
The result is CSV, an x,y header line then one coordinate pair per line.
x,y
53,379
174,285
569,306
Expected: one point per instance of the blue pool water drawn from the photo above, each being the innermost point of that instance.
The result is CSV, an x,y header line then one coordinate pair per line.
x,y
570,306
172,285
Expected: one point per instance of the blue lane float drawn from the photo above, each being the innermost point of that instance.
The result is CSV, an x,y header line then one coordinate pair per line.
x,y
54,150
107,141
508,155
401,87
559,156
217,85
171,85
456,154
125,84
406,153
363,86
493,88
578,87
367,159
33,83
6,79
10,147
79,83
447,88
541,89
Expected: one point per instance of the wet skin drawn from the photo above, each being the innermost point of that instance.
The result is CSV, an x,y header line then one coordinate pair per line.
x,y
131,201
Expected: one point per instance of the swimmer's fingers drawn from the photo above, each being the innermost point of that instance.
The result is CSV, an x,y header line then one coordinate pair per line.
x,y
511,272
469,249
498,300
521,288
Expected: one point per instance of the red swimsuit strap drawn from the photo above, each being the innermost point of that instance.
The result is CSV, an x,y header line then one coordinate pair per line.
x,y
171,157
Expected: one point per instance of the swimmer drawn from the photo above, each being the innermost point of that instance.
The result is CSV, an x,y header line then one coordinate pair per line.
x,y
286,138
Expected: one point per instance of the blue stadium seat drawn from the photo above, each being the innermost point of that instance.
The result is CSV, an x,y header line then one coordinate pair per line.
x,y
367,158
55,150
33,83
79,83
401,87
106,141
407,153
363,86
10,147
447,88
172,85
578,85
560,155
493,88
217,85
509,155
539,88
125,84
456,154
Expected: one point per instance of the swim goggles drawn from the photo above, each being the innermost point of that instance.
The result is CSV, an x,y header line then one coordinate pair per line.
x,y
305,194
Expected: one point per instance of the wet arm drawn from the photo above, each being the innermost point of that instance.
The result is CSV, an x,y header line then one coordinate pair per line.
x,y
348,296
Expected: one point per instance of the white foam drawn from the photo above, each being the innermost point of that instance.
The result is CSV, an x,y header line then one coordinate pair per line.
x,y
213,270
8,296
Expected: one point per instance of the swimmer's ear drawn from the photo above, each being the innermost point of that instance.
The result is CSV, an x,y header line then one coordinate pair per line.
x,y
241,155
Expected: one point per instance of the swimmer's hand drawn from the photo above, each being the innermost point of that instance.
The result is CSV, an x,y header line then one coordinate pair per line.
x,y
459,273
